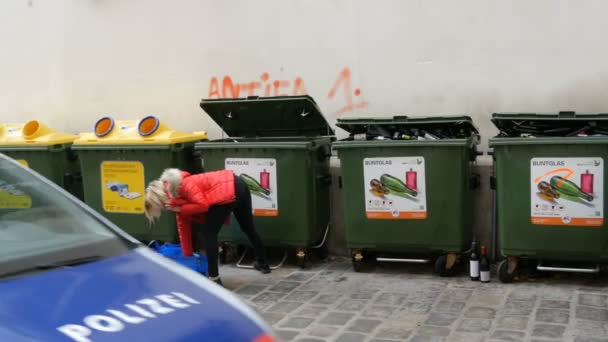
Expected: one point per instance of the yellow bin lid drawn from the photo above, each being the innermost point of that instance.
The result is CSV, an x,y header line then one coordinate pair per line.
x,y
32,133
148,130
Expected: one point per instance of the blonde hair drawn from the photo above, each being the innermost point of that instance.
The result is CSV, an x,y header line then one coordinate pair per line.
x,y
155,200
173,177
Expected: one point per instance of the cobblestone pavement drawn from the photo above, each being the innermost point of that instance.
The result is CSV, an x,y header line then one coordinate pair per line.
x,y
330,302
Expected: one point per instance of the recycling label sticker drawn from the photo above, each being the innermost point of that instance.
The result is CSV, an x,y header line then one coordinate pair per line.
x,y
11,197
395,188
567,191
122,186
260,175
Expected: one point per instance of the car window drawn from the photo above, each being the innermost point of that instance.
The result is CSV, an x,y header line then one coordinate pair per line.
x,y
40,226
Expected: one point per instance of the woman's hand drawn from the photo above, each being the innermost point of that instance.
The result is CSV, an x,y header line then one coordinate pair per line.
x,y
173,209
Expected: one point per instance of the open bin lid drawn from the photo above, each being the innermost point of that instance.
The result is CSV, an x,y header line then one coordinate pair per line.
x,y
32,133
279,116
458,126
562,124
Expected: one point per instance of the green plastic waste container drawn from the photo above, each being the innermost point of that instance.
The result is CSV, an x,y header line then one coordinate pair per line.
x,y
281,147
45,151
407,185
120,158
549,171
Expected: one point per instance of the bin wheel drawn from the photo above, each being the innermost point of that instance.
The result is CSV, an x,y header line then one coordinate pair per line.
x,y
228,253
441,267
504,275
303,258
357,258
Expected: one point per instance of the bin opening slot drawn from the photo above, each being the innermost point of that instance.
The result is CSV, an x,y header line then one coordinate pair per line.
x,y
564,124
406,128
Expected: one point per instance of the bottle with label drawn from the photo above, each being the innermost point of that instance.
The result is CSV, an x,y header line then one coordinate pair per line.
x,y
484,266
587,182
411,179
474,262
265,179
567,187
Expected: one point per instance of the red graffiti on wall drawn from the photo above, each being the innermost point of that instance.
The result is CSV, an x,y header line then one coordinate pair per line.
x,y
267,87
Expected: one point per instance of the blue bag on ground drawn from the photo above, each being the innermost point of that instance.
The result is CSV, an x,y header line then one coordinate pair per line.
x,y
172,251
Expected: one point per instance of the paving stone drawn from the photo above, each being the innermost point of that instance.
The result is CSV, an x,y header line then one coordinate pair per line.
x,y
508,335
364,325
394,333
552,316
416,307
548,330
322,331
588,339
284,286
286,335
272,318
297,322
513,322
327,299
301,276
268,297
379,311
555,304
301,296
351,337
309,339
447,306
336,318
591,313
529,295
518,308
475,325
395,299
251,289
312,311
466,337
422,338
285,307
457,295
381,340
479,312
593,300
351,305
315,285
591,328
442,319
427,330
363,295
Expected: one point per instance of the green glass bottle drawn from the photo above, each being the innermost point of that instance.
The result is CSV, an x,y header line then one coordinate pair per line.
x,y
253,184
568,188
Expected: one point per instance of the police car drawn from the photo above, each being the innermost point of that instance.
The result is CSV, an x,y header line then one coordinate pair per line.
x,y
68,274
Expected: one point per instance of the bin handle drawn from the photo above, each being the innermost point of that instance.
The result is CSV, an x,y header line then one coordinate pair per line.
x,y
325,180
474,181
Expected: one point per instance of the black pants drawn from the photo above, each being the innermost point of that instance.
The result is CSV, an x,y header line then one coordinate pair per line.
x,y
217,215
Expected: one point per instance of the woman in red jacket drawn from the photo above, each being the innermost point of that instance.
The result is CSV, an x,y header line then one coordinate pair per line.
x,y
207,198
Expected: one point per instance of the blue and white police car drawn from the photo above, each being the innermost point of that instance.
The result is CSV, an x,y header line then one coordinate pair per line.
x,y
68,274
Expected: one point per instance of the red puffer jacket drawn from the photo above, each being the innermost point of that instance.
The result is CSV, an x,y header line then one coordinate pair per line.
x,y
196,194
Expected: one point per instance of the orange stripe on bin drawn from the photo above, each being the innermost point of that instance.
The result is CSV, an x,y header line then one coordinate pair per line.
x,y
374,215
557,221
265,212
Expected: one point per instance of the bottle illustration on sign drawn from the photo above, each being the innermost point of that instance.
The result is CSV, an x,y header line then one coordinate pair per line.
x,y
388,184
255,187
265,179
569,188
411,179
123,190
587,182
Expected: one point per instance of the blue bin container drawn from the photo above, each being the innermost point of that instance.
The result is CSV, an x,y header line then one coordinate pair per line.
x,y
173,251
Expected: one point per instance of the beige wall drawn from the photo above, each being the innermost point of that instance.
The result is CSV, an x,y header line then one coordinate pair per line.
x,y
68,62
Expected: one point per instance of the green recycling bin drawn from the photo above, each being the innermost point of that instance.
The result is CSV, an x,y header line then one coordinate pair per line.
x,y
120,158
281,147
550,208
407,185
44,150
